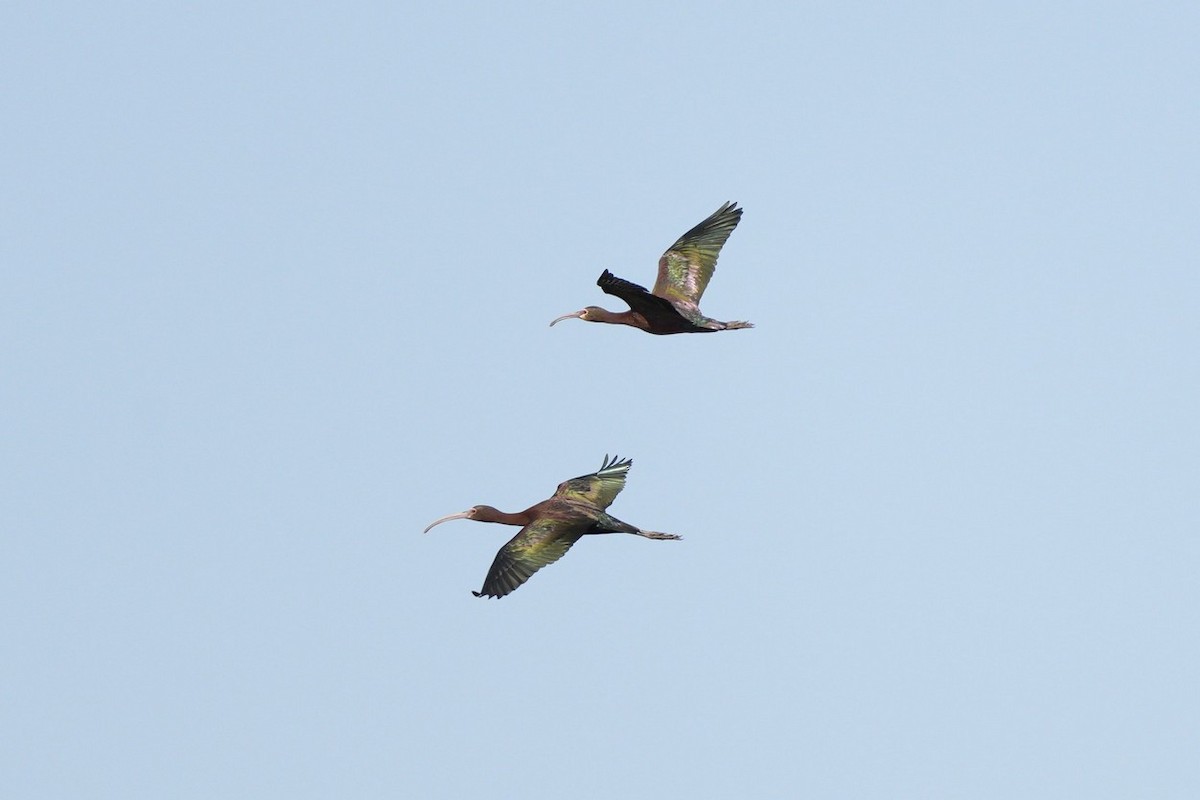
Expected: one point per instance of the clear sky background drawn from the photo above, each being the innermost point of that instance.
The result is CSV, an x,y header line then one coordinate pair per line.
x,y
277,283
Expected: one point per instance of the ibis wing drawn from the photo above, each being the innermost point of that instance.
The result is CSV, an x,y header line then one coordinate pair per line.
x,y
687,266
639,300
539,543
601,487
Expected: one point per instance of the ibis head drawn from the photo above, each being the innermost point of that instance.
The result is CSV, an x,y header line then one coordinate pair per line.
x,y
589,314
480,513
486,514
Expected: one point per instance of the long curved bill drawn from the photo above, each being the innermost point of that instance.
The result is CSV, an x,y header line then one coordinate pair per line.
x,y
567,316
447,518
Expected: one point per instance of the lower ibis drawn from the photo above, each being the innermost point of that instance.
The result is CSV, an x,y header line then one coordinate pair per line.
x,y
549,528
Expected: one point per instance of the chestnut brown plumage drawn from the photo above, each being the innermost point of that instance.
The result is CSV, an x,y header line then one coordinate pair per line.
x,y
684,270
550,527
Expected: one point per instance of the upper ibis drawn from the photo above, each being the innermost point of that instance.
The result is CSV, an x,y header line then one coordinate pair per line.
x,y
550,527
684,270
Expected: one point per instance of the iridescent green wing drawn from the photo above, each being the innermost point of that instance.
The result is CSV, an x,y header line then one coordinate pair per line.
x,y
539,543
686,268
601,487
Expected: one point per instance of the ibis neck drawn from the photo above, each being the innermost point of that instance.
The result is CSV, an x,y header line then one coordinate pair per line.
x,y
631,318
505,518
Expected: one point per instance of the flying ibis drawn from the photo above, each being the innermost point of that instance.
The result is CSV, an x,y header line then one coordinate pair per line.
x,y
549,528
673,305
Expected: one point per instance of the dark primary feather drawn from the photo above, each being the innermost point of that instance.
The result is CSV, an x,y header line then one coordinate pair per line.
x,y
638,297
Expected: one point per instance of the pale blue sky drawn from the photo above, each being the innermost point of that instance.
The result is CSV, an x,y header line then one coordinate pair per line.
x,y
277,287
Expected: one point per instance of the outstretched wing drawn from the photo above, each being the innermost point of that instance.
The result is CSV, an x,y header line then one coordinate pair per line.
x,y
686,268
539,543
601,487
